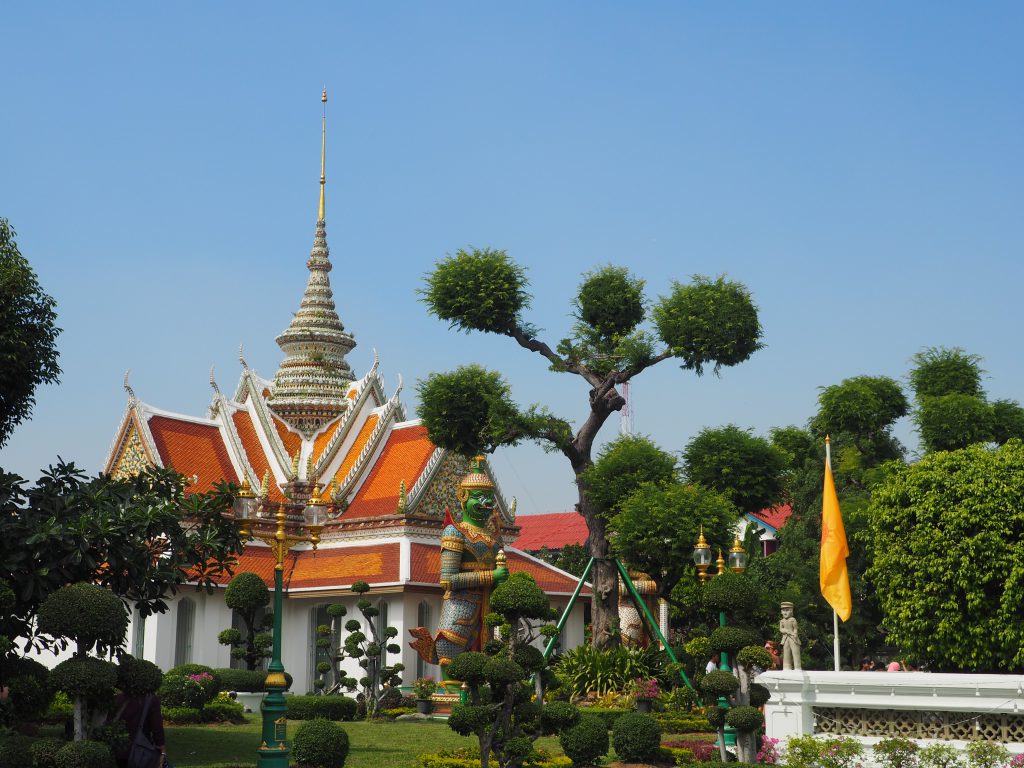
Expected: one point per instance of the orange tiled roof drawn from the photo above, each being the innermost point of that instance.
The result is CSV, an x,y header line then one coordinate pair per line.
x,y
773,517
403,458
254,451
357,447
553,530
192,449
324,438
289,439
426,568
335,567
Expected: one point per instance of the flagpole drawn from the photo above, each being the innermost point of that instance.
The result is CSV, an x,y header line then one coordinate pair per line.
x,y
835,616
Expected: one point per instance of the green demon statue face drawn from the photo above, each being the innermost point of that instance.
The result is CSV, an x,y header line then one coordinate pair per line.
x,y
479,507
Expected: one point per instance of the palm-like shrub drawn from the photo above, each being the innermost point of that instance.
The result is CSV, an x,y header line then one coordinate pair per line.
x,y
586,670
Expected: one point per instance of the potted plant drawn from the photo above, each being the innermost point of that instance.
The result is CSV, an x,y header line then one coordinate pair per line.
x,y
422,690
644,692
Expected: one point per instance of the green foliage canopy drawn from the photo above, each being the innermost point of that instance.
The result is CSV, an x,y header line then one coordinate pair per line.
x,y
622,467
953,421
88,614
947,536
28,336
477,290
939,371
747,470
657,527
865,407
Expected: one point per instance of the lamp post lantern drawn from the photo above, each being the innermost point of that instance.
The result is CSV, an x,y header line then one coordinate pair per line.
x,y
253,516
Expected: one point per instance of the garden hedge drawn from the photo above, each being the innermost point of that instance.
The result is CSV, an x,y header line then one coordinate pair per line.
x,y
326,707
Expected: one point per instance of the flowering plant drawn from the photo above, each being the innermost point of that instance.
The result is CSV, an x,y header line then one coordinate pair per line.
x,y
424,688
202,678
769,753
645,688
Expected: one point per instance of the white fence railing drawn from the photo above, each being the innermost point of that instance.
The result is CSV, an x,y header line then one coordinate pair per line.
x,y
870,706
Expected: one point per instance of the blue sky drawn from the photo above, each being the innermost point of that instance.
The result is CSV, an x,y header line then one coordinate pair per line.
x,y
858,166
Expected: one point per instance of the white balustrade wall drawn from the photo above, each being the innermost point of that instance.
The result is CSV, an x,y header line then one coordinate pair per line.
x,y
869,706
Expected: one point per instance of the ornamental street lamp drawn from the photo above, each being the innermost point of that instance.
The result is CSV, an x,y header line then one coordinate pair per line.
x,y
253,516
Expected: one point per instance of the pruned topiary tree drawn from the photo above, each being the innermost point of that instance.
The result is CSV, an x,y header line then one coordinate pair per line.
x,y
247,595
499,710
95,619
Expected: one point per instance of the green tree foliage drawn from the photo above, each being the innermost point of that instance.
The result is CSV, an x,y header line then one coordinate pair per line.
x,y
947,536
28,336
141,538
747,470
622,467
706,323
939,371
657,526
952,411
865,408
949,422
247,595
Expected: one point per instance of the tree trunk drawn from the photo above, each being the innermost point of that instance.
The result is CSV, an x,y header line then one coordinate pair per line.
x,y
604,576
79,718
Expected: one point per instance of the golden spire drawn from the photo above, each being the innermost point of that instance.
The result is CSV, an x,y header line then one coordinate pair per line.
x,y
323,154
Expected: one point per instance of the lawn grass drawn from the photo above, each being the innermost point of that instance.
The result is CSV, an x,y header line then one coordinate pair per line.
x,y
373,744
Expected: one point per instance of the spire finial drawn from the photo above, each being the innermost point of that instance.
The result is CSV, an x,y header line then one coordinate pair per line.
x,y
323,154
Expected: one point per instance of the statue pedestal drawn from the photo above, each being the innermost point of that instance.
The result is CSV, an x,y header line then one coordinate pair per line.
x,y
443,702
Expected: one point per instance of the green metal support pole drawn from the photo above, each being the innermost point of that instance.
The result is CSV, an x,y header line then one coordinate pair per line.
x,y
273,751
654,625
568,609
723,703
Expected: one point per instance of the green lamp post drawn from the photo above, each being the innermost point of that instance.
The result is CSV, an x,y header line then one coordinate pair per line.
x,y
253,516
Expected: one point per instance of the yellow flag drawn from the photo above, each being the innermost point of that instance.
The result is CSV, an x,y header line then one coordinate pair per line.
x,y
834,578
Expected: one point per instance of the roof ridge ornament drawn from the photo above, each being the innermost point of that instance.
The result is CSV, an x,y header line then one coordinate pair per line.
x,y
241,356
132,399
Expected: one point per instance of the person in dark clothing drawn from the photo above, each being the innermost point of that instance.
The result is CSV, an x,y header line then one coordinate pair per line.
x,y
138,705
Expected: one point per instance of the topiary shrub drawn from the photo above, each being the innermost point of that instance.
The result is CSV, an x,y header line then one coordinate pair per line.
x,y
586,742
751,656
86,613
733,593
89,677
607,716
138,677
468,667
559,715
223,711
719,683
84,754
182,715
716,717
182,691
241,680
759,694
200,673
636,737
44,752
500,671
325,707
745,719
732,639
320,743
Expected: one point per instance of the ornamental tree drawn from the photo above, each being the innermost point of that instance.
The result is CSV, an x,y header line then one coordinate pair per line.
x,y
28,336
247,595
705,323
947,538
140,537
499,710
370,651
96,620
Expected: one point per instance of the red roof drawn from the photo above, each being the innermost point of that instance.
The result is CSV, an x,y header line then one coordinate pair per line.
x,y
192,449
553,530
426,568
774,517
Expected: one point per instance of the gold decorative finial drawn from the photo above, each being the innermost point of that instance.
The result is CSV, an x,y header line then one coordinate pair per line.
x,y
323,155
265,485
501,560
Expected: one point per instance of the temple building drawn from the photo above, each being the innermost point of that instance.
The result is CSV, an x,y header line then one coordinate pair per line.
x,y
318,429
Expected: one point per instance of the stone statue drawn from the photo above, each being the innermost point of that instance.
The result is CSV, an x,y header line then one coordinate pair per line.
x,y
472,563
790,638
